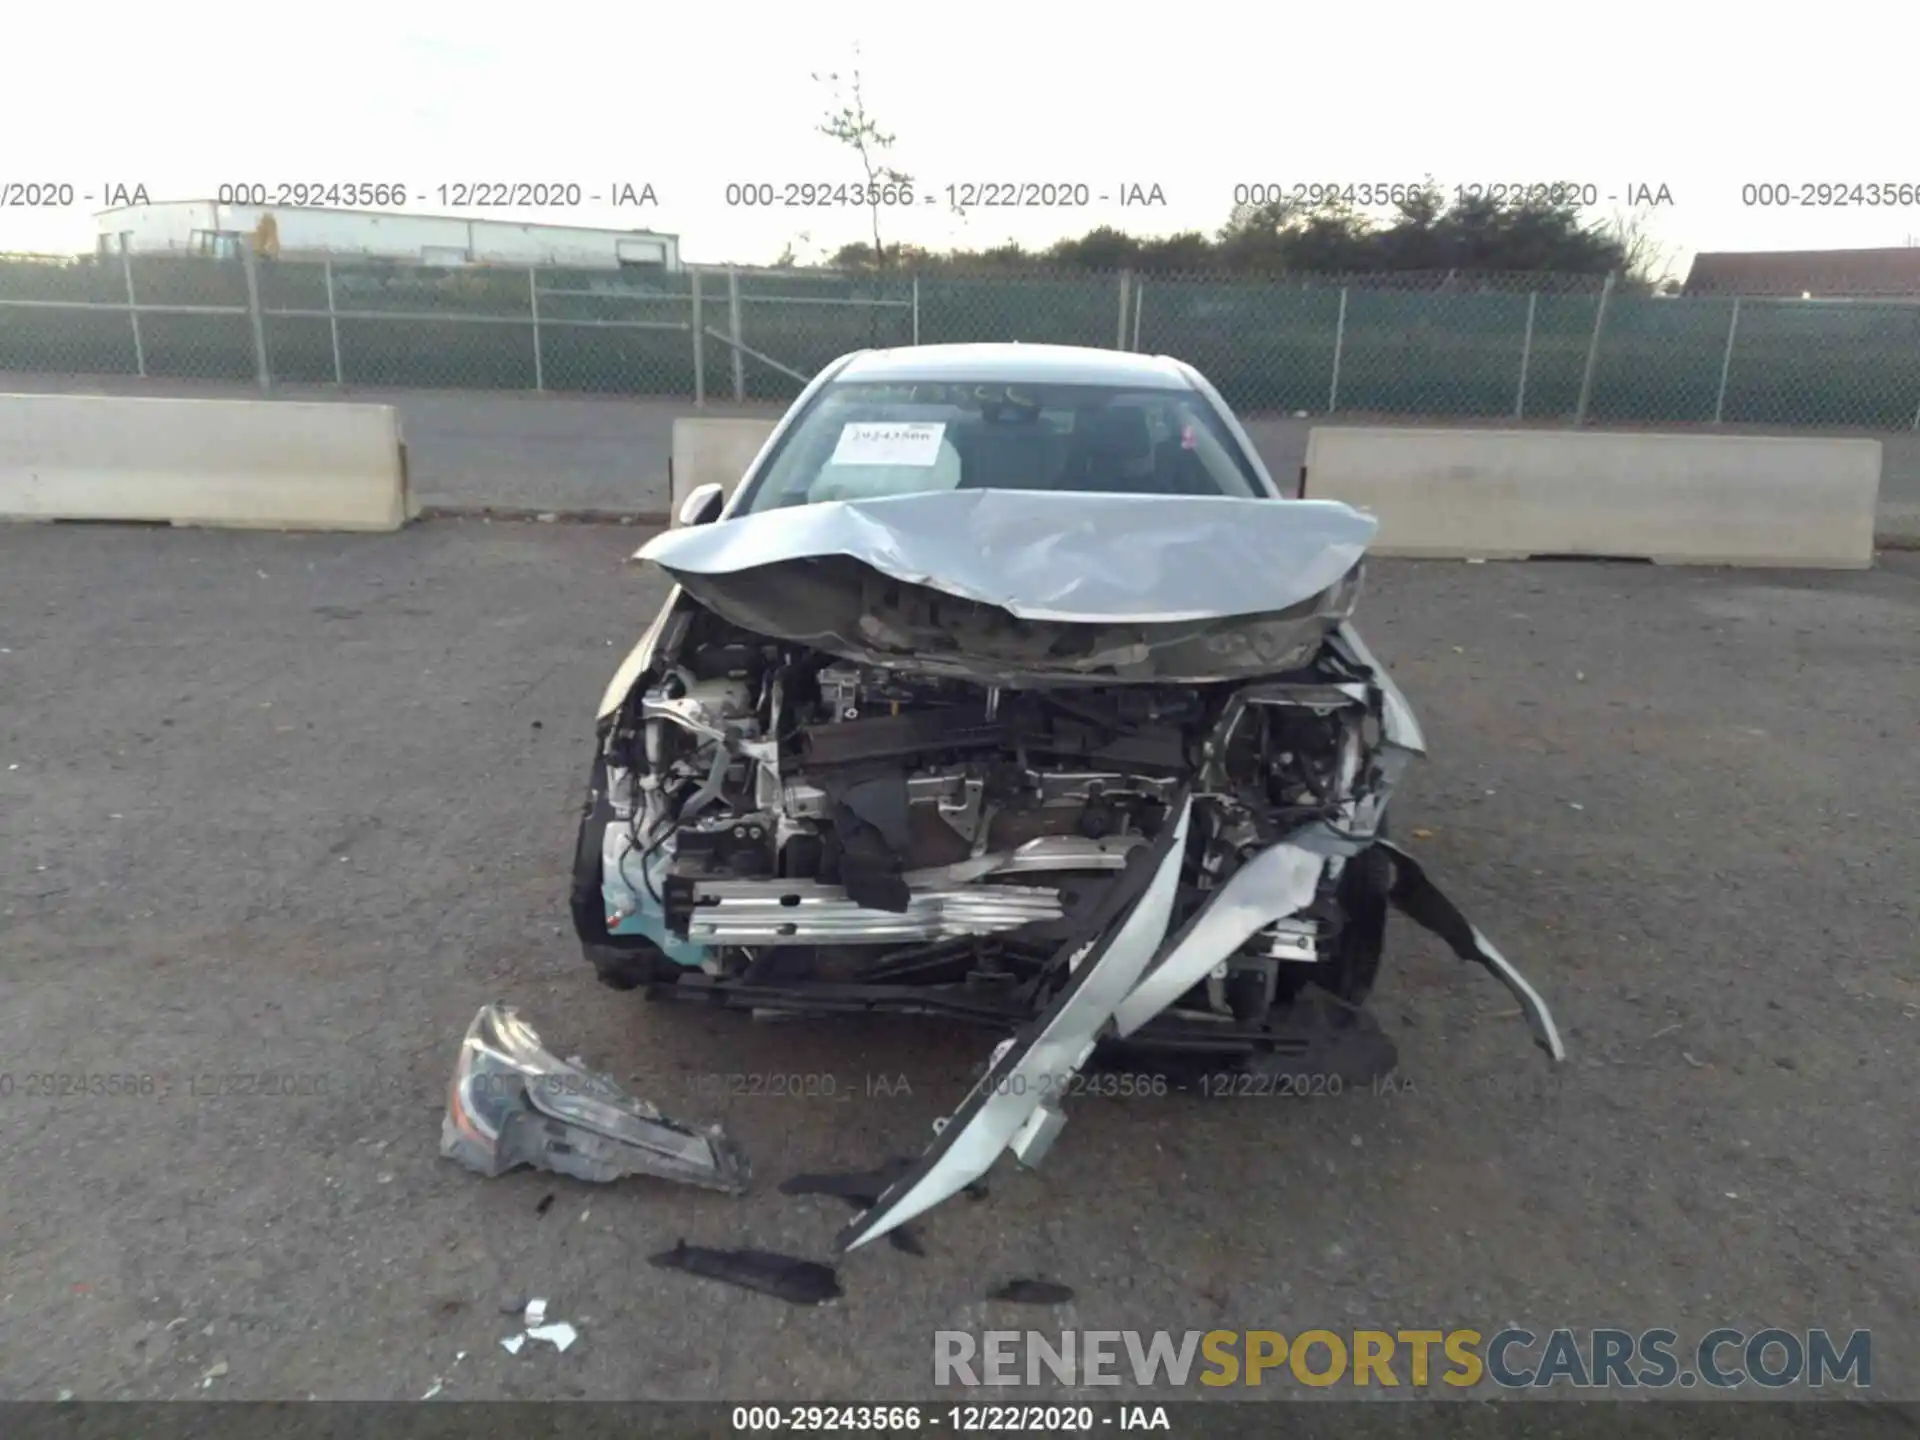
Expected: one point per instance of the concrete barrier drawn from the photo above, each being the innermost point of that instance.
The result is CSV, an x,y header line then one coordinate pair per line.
x,y
713,451
247,464
1674,499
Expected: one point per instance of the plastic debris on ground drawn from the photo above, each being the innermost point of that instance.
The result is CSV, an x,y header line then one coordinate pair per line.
x,y
861,1189
785,1277
1033,1292
559,1334
513,1102
533,1316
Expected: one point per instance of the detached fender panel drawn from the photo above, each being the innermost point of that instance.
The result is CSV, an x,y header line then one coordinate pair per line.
x,y
1007,1106
1420,900
1276,883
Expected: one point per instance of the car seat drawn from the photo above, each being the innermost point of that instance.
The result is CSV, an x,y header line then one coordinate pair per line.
x,y
1113,450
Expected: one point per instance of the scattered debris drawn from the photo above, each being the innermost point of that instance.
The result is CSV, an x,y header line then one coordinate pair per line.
x,y
862,1189
513,1102
786,1277
857,1187
1421,901
214,1372
1033,1292
438,1386
1696,1064
559,1334
546,1204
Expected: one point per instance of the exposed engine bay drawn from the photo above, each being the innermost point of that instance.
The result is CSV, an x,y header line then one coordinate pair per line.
x,y
783,799
1055,811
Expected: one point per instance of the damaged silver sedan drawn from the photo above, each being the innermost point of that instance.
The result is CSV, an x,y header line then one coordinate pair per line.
x,y
1009,688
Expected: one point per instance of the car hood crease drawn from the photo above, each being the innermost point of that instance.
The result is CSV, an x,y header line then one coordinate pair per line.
x,y
1083,558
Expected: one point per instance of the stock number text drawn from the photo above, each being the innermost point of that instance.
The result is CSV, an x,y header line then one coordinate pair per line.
x,y
337,195
808,194
1832,195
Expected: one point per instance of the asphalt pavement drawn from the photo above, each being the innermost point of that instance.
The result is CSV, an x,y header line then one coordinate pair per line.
x,y
279,812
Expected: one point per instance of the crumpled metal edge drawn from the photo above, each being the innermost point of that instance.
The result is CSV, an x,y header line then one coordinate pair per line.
x,y
1416,896
1008,1107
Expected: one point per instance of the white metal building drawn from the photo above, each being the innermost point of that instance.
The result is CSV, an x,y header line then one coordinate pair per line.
x,y
208,228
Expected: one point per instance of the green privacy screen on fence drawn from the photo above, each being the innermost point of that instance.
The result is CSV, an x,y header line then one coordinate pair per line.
x,y
1514,346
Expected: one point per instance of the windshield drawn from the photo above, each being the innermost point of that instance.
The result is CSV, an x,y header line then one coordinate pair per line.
x,y
861,441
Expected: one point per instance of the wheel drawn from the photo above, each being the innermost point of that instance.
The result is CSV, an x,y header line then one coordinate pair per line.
x,y
632,964
620,962
1358,948
1332,1049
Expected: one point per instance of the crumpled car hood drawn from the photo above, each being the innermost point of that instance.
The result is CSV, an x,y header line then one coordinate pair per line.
x,y
1012,585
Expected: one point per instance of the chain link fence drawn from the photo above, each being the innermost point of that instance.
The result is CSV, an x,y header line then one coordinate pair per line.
x,y
1540,347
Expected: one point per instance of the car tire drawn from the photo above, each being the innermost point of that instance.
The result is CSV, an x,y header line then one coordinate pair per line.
x,y
634,964
1363,888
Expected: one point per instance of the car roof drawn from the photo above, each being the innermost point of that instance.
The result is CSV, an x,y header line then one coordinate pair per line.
x,y
1034,364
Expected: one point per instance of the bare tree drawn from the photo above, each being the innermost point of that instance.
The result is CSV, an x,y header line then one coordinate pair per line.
x,y
1645,260
850,124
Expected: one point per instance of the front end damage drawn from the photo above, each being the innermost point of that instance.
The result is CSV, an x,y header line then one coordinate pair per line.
x,y
874,756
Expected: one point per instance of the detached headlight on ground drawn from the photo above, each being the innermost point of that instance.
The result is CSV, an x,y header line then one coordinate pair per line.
x,y
512,1102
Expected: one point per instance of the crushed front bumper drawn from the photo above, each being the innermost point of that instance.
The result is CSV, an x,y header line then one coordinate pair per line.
x,y
1125,970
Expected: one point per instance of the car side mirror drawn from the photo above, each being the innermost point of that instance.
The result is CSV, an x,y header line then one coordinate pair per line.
x,y
704,504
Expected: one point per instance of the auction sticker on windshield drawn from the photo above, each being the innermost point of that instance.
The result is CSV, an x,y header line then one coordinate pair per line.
x,y
870,443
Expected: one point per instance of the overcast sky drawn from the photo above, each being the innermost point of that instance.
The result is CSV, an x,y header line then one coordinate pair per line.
x,y
1195,97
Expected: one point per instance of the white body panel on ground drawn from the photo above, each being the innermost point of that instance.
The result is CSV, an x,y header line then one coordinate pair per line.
x,y
1675,499
249,464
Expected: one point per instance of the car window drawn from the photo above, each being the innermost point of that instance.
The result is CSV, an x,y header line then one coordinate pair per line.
x,y
859,441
